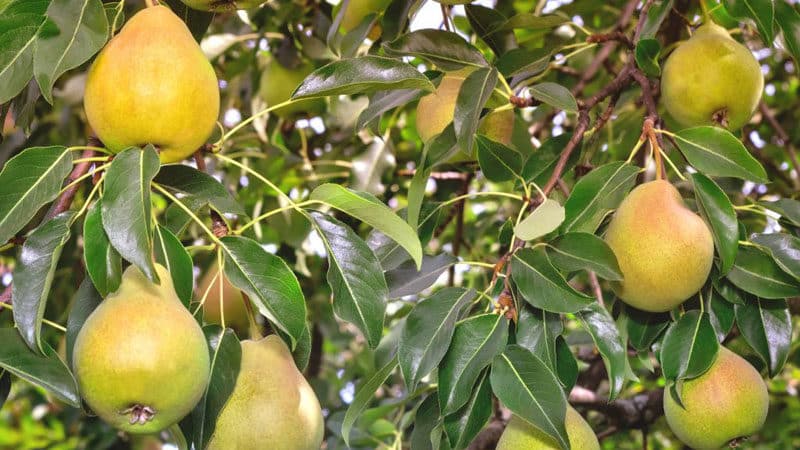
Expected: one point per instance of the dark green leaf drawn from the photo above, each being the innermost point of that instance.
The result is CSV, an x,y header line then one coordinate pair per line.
x,y
445,49
721,313
483,20
717,152
537,331
5,386
498,162
103,263
524,62
788,208
475,343
34,273
542,285
473,95
718,212
644,327
600,325
539,166
658,11
762,12
767,327
383,101
554,95
647,53
785,250
197,21
390,254
758,273
596,194
566,364
428,331
19,24
27,182
407,280
86,299
690,347
200,185
426,420
171,254
788,20
126,206
584,251
462,426
363,396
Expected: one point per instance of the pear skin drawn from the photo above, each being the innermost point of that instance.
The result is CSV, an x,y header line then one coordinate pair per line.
x,y
141,360
711,79
272,406
520,435
232,301
727,402
664,249
151,84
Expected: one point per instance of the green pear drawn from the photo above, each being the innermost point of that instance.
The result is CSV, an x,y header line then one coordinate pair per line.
x,y
151,84
272,406
141,360
222,5
727,402
233,305
357,10
279,82
665,250
520,435
711,79
436,110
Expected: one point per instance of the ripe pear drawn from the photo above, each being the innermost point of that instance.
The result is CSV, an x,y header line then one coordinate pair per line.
x,y
711,79
222,5
727,402
151,84
279,82
520,435
664,249
272,405
141,360
435,112
232,301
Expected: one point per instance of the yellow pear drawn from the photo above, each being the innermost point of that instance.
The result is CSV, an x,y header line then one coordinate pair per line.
x,y
222,5
141,360
272,406
279,82
664,249
711,79
727,402
151,84
520,435
232,301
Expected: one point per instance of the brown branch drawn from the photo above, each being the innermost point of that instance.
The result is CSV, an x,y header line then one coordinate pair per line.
x,y
784,139
459,234
616,35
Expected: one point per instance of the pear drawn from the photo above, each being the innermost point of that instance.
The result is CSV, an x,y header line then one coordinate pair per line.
x,y
435,112
665,250
727,402
711,79
232,301
222,5
151,84
141,360
520,435
279,82
272,406
357,10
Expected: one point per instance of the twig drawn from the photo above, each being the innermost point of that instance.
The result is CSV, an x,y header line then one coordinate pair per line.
x,y
459,234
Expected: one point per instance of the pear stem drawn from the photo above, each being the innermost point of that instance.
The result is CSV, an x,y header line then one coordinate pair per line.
x,y
706,14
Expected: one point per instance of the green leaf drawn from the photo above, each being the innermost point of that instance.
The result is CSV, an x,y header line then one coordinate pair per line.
x,y
532,22
788,20
554,95
542,285
428,331
445,49
498,162
427,425
526,386
171,254
644,328
363,396
762,12
483,20
5,386
28,181
126,206
19,25
472,96
390,254
371,211
584,251
540,164
788,208
200,185
716,152
361,75
103,263
545,219
475,343
605,334
82,31
646,54
47,372
383,101
84,302
226,355
566,364
689,348
524,62
407,280
767,327
465,424
659,10
354,275
717,210
722,315
757,273
197,21
784,249
596,194
537,331
34,273
268,282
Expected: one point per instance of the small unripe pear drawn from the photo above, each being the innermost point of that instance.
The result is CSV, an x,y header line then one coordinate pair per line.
x,y
520,435
279,82
232,301
727,402
222,5
152,84
141,360
664,249
711,79
272,406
